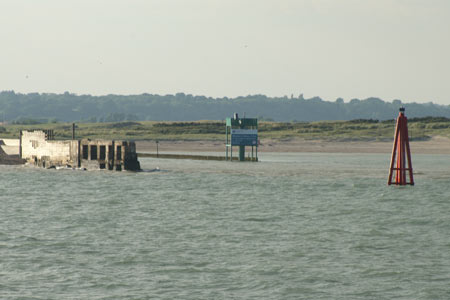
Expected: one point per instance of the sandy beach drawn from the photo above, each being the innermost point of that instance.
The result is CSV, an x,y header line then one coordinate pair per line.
x,y
436,145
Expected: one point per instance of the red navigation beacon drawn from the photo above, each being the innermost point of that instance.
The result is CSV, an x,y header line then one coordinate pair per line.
x,y
402,152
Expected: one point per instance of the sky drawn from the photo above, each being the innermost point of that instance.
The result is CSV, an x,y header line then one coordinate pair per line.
x,y
391,49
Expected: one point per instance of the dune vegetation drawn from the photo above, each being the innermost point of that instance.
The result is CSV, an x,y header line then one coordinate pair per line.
x,y
355,130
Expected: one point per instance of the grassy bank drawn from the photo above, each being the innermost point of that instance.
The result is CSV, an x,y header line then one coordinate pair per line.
x,y
356,130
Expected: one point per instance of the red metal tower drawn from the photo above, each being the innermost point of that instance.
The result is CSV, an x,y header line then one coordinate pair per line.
x,y
401,150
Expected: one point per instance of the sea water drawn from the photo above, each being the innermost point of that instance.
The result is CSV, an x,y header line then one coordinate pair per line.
x,y
293,226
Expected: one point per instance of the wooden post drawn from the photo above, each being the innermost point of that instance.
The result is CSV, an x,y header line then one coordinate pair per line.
x,y
157,149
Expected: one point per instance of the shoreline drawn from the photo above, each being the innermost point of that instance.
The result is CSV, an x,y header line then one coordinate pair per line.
x,y
436,145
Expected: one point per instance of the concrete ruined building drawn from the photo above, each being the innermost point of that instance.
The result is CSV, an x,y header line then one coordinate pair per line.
x,y
40,148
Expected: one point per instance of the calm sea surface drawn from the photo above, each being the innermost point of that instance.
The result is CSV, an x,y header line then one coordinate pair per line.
x,y
293,226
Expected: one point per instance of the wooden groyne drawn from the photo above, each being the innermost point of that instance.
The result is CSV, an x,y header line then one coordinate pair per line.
x,y
193,157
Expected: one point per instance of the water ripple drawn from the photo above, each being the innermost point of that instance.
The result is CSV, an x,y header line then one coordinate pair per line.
x,y
306,226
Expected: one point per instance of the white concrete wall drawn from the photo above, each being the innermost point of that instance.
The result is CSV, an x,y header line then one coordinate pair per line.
x,y
11,142
34,144
10,146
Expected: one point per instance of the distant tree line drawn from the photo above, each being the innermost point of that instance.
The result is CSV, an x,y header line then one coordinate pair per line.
x,y
68,107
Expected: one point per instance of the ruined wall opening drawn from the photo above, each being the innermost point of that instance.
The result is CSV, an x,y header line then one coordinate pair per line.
x,y
119,152
110,152
93,152
85,152
102,153
102,166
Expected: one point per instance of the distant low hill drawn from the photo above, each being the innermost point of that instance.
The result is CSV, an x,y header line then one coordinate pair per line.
x,y
46,107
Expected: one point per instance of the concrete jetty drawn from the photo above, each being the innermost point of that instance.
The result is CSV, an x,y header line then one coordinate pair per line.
x,y
9,152
41,149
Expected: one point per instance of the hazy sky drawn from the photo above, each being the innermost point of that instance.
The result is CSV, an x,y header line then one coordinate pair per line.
x,y
393,49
